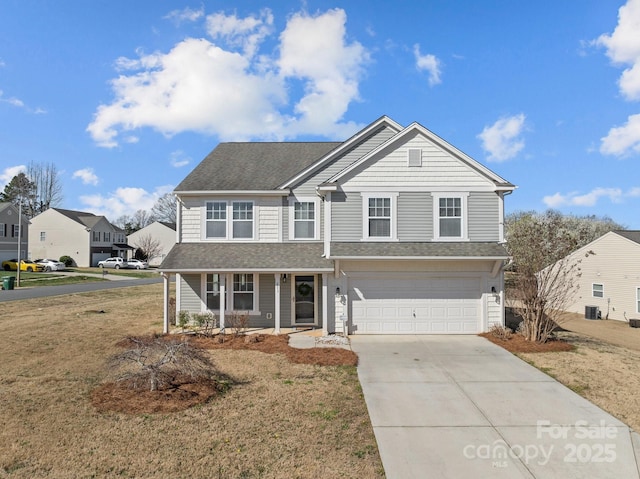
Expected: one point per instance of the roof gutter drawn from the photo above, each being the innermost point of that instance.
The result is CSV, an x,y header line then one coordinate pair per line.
x,y
233,193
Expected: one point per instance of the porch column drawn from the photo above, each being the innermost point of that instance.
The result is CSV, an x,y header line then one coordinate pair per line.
x,y
276,314
166,278
223,304
325,303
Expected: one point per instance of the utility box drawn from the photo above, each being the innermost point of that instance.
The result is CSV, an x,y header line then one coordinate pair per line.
x,y
591,312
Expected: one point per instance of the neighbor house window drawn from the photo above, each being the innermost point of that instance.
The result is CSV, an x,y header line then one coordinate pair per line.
x,y
16,231
43,235
216,221
96,236
598,290
106,236
304,220
213,292
638,300
243,292
3,230
242,219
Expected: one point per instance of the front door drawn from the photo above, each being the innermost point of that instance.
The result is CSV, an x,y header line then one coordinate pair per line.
x,y
304,299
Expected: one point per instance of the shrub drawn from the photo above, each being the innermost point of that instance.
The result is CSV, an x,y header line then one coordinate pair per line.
x,y
67,260
500,332
237,323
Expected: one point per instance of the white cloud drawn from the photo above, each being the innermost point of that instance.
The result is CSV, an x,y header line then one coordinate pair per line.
x,y
8,173
503,140
226,88
87,176
615,195
429,63
185,15
13,101
623,48
178,159
123,201
622,140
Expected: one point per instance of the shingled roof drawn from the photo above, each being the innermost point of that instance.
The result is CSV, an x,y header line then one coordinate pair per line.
x,y
446,249
633,235
253,166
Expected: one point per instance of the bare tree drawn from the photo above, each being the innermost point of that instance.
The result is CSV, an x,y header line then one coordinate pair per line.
x,y
156,362
149,247
165,208
545,278
48,187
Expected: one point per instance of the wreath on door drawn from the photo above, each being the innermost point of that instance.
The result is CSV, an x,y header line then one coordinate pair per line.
x,y
304,289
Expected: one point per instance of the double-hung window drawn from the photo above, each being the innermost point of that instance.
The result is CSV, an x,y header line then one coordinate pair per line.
x,y
638,300
242,219
243,292
106,236
303,220
3,230
450,217
597,290
16,231
216,221
43,236
96,235
378,217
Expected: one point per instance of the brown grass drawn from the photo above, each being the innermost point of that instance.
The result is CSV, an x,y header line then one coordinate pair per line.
x,y
279,420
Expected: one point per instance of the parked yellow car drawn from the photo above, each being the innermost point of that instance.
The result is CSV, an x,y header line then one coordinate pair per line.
x,y
25,265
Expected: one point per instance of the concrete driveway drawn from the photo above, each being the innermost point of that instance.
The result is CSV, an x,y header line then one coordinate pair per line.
x,y
460,406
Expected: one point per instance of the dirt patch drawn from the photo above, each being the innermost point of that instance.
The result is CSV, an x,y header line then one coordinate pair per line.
x,y
518,344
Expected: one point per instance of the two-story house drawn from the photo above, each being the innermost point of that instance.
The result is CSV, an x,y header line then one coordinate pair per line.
x,y
9,231
393,231
85,237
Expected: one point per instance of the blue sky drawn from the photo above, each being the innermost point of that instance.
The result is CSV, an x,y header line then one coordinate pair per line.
x,y
127,97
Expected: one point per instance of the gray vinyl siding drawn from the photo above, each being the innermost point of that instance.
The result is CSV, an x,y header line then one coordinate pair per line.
x,y
415,216
355,153
484,219
346,216
285,219
190,293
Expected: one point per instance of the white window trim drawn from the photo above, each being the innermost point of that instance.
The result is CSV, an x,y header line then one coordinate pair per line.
x,y
228,292
638,300
205,221
229,222
394,216
593,290
436,216
316,211
43,236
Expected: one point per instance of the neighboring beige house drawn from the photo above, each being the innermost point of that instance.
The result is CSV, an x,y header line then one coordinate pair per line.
x,y
164,233
85,237
393,231
9,215
610,278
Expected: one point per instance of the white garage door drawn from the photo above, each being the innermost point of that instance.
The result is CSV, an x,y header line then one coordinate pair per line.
x,y
395,305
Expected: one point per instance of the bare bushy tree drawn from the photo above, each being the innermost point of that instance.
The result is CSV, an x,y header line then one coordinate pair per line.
x,y
48,187
149,247
545,277
154,362
165,208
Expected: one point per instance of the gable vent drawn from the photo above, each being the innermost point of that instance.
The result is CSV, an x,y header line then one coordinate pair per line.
x,y
415,157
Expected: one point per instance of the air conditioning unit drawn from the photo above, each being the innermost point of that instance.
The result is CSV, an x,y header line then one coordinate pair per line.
x,y
591,312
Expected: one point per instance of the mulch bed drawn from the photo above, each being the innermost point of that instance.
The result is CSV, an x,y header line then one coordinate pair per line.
x,y
272,344
185,392
518,344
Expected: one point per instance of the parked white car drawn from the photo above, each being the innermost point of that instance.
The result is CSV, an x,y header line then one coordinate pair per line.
x,y
137,264
51,264
115,263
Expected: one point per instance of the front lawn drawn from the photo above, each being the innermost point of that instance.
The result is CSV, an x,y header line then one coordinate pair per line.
x,y
279,419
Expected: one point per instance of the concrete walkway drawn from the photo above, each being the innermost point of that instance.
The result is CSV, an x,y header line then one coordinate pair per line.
x,y
462,407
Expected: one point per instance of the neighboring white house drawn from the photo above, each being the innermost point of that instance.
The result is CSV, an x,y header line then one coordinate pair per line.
x,y
163,232
394,231
85,237
610,277
9,215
